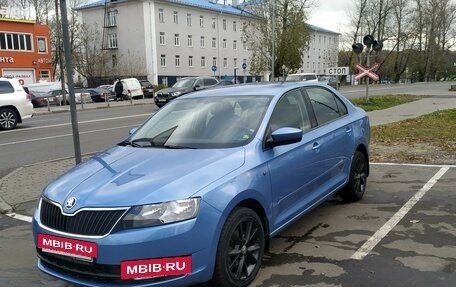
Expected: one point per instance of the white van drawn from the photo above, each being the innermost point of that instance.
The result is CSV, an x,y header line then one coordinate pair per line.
x,y
131,88
308,77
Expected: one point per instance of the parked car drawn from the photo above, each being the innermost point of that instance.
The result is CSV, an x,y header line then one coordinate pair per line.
x,y
101,94
80,94
225,83
147,88
15,104
330,81
41,99
196,192
132,89
308,77
183,86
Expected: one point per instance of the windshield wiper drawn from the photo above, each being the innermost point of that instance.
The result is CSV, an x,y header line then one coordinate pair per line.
x,y
128,143
178,147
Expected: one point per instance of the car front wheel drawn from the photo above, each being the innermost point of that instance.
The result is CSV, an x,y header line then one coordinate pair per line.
x,y
357,181
240,250
8,119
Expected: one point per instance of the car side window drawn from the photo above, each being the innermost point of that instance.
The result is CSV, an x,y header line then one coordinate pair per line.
x,y
6,87
199,82
209,82
326,105
290,111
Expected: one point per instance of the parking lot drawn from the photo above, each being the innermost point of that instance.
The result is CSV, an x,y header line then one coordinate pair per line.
x,y
402,233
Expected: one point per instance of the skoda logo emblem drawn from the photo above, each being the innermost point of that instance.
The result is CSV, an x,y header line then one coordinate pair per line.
x,y
70,202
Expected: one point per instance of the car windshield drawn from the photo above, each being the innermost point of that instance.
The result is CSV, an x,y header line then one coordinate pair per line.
x,y
184,83
210,122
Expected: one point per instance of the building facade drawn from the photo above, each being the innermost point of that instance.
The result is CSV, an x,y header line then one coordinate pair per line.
x,y
25,51
164,40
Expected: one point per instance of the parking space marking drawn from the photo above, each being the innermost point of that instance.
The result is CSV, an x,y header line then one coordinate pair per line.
x,y
20,217
364,250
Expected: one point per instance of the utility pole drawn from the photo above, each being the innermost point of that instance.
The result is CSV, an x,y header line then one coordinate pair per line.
x,y
273,41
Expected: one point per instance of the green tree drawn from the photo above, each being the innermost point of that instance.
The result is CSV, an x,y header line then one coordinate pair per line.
x,y
287,18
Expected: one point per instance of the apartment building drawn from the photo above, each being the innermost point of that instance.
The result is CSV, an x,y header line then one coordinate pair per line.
x,y
164,40
25,51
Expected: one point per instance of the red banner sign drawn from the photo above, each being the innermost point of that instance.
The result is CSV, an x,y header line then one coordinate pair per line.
x,y
141,269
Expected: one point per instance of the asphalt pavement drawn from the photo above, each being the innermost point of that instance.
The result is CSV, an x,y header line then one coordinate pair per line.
x,y
24,185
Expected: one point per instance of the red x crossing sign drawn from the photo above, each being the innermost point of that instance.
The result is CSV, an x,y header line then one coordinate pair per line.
x,y
367,71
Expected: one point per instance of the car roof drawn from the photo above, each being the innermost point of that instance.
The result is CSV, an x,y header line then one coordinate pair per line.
x,y
254,89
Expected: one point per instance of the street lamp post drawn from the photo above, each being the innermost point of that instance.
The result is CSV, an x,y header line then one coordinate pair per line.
x,y
235,80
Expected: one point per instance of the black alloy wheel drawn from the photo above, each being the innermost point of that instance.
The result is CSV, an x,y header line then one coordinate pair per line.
x,y
356,186
240,251
8,119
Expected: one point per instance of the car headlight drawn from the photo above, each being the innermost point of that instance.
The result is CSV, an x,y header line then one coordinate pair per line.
x,y
161,213
175,94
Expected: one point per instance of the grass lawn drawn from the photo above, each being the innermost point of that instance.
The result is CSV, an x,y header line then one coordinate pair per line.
x,y
429,139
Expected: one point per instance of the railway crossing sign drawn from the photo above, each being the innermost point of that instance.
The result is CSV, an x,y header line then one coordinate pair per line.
x,y
367,71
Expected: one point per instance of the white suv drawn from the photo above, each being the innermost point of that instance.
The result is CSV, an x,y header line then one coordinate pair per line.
x,y
15,104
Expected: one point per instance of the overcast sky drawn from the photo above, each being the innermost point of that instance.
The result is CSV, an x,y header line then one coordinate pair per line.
x,y
331,14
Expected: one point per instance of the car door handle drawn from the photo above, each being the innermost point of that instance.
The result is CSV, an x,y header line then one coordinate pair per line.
x,y
316,146
348,130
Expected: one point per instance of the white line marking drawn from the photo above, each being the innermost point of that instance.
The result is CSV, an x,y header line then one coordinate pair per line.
x,y
412,164
20,217
65,135
393,221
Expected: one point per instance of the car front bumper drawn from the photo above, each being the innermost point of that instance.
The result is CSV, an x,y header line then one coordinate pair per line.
x,y
196,238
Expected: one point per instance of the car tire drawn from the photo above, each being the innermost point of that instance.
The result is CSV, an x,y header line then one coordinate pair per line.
x,y
8,119
356,186
238,259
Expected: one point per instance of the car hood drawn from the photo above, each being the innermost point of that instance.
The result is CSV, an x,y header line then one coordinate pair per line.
x,y
126,176
171,89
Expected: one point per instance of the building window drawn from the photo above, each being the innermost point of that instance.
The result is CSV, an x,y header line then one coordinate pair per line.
x,y
235,62
112,18
112,40
225,62
161,17
190,41
214,42
202,42
42,46
224,43
12,41
244,45
190,61
176,40
177,61
44,75
163,60
189,19
214,61
203,62
224,24
114,60
213,23
175,17
234,26
234,44
162,38
202,21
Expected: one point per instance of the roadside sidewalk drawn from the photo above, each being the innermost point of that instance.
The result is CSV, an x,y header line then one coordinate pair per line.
x,y
26,183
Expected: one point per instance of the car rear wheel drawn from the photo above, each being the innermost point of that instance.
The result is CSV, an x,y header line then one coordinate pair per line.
x,y
356,186
8,119
240,250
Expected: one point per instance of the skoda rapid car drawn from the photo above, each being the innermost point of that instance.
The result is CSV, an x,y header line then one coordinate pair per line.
x,y
197,191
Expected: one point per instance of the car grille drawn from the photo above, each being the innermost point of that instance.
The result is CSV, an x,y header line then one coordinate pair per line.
x,y
163,96
90,271
86,222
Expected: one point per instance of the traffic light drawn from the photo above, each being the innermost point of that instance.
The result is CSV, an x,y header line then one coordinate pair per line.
x,y
357,48
368,40
377,46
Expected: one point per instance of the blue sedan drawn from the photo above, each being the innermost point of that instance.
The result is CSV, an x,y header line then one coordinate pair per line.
x,y
197,191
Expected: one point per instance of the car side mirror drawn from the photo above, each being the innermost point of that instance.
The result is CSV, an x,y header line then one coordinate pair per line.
x,y
284,136
196,87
